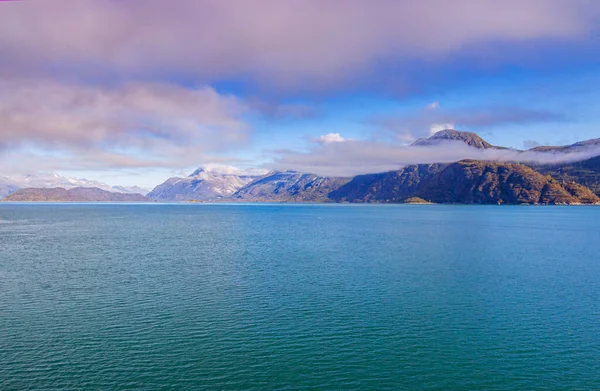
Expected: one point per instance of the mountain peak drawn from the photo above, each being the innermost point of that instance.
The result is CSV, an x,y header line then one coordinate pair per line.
x,y
469,138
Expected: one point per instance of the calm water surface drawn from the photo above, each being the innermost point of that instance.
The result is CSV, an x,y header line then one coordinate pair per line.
x,y
297,297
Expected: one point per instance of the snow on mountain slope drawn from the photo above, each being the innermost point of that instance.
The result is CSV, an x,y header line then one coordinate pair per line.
x,y
206,183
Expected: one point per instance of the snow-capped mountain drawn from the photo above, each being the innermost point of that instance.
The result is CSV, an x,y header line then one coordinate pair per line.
x,y
10,184
206,183
290,186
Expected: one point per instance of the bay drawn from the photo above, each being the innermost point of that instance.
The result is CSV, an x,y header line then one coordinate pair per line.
x,y
321,297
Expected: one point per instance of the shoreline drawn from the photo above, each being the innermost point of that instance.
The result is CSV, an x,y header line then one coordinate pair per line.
x,y
268,203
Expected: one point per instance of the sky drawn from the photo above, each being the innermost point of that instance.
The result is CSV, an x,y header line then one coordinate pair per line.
x,y
134,92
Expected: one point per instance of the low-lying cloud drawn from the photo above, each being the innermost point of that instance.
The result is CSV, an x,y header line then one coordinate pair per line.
x,y
355,157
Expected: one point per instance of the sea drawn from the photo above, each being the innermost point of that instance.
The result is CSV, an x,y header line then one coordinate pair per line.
x,y
299,297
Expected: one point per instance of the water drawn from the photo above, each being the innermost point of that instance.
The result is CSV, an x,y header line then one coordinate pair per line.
x,y
297,297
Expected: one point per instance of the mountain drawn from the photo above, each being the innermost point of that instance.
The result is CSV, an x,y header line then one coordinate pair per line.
x,y
577,147
465,182
7,188
586,172
10,184
209,183
393,186
445,135
479,182
77,194
289,186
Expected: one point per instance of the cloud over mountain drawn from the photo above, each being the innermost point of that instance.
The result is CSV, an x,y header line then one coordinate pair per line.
x,y
140,86
355,157
435,117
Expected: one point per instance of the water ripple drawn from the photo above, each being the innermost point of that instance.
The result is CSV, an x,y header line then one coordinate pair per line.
x,y
299,297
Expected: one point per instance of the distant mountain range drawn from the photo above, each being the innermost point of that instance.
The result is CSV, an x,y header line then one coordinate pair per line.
x,y
465,181
10,184
218,183
76,194
568,148
210,183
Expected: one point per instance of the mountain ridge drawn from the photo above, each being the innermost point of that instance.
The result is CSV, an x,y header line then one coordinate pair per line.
x,y
76,194
560,183
567,148
10,184
205,184
289,186
465,182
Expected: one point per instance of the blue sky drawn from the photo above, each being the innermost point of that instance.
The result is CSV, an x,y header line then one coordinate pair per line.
x,y
135,92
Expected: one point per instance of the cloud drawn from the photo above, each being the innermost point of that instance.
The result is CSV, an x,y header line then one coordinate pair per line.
x,y
483,117
282,111
98,163
231,170
330,138
433,106
362,157
296,44
130,125
437,127
409,127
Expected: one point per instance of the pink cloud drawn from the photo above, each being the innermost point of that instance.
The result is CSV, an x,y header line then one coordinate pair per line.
x,y
134,124
285,44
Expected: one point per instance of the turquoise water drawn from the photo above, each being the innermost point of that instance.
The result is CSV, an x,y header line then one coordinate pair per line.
x,y
297,297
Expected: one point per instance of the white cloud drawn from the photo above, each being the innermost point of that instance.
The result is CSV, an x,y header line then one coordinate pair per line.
x,y
224,169
433,105
434,128
362,157
330,138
